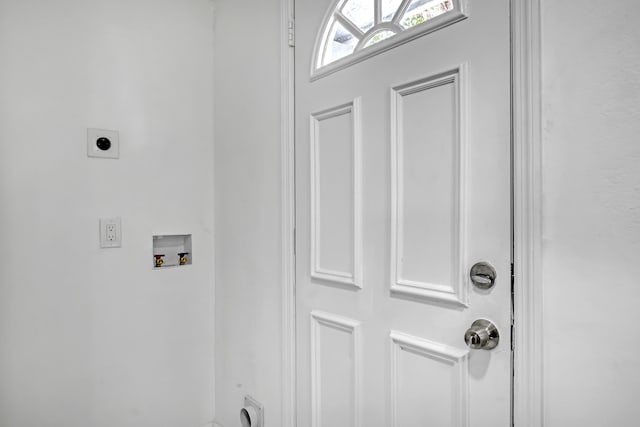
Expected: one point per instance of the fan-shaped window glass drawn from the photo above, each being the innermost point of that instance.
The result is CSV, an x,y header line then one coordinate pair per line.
x,y
342,43
360,12
420,11
357,29
378,37
389,8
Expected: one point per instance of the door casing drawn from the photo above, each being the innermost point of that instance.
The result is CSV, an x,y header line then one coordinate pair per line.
x,y
527,409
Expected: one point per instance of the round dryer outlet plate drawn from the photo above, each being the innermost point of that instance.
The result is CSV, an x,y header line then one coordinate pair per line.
x,y
103,143
250,402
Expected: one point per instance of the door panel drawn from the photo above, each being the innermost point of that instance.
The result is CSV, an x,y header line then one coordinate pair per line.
x,y
417,364
402,184
335,370
427,188
335,203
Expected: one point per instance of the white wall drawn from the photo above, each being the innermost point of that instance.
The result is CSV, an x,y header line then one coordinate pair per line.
x,y
247,176
591,246
94,337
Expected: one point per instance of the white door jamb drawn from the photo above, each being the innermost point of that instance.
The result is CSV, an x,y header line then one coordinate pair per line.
x,y
527,234
287,131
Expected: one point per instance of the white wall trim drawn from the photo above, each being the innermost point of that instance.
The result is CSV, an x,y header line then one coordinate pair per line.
x,y
287,130
527,231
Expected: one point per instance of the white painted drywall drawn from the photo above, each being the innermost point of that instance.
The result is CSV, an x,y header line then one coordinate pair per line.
x,y
247,177
591,207
94,337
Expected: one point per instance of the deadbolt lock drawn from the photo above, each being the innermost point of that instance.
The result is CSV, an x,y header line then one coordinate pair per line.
x,y
483,275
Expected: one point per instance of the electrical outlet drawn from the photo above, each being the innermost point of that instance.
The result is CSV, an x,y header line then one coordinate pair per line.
x,y
110,233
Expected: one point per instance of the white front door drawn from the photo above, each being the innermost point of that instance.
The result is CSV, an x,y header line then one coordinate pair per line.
x,y
402,185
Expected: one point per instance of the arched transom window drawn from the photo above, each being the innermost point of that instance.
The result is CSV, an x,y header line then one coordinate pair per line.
x,y
356,29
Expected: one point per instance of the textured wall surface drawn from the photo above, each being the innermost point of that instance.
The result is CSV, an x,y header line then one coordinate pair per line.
x,y
248,199
591,84
94,337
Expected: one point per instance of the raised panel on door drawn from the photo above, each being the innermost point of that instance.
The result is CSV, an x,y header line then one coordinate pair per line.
x,y
335,194
335,371
429,383
427,152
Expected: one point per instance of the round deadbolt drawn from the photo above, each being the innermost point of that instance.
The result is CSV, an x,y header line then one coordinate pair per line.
x,y
482,335
483,275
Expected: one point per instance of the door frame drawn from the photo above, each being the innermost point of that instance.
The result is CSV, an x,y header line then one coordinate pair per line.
x,y
526,151
526,196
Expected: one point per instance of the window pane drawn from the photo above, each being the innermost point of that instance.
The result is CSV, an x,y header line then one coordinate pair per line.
x,y
360,12
389,8
379,37
342,44
420,11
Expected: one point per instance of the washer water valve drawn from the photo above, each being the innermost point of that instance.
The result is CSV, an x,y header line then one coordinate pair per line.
x,y
177,247
183,257
159,260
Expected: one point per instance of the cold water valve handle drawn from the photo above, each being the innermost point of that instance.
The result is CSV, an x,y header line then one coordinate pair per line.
x,y
183,257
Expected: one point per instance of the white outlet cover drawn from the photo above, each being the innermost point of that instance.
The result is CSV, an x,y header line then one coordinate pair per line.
x,y
110,233
93,135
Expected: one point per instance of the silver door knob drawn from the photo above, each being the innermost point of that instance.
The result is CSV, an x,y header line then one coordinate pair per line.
x,y
482,335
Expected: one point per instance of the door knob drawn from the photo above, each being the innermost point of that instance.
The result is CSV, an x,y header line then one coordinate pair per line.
x,y
482,335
